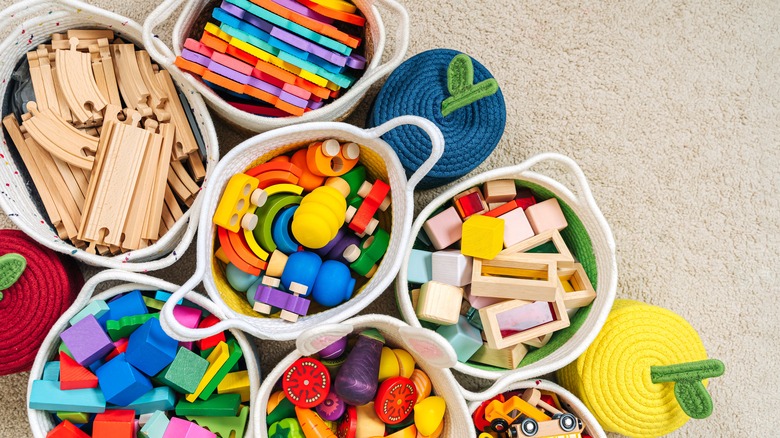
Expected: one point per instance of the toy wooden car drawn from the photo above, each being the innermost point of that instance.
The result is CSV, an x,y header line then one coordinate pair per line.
x,y
518,418
563,425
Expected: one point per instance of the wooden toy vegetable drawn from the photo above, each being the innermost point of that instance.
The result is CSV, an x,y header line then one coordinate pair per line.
x,y
357,380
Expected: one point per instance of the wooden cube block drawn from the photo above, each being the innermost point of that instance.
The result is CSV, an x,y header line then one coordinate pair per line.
x,y
507,358
87,341
516,227
507,324
114,423
515,276
463,337
439,303
185,372
546,215
563,254
499,190
469,203
451,267
483,237
578,291
444,229
420,268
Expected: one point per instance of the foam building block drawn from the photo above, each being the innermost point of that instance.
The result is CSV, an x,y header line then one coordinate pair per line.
x,y
222,405
150,349
451,267
46,395
185,372
66,429
161,398
129,304
235,383
188,317
499,190
121,383
86,341
483,237
546,215
51,371
96,308
114,423
516,227
444,229
463,337
224,426
178,428
155,426
439,303
419,270
75,376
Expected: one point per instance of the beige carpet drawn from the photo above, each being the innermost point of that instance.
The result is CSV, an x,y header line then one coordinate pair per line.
x,y
672,110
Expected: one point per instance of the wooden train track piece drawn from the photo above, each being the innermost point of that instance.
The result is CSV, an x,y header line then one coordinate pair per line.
x,y
64,109
172,204
90,34
45,68
37,79
134,226
185,140
77,81
106,61
195,161
158,96
153,220
60,138
131,85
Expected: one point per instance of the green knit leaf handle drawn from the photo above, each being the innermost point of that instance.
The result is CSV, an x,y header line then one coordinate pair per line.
x,y
689,390
460,83
11,268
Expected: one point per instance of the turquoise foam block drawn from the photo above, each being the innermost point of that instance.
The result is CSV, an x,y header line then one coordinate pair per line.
x,y
51,371
420,267
163,296
155,427
46,395
158,399
96,308
463,337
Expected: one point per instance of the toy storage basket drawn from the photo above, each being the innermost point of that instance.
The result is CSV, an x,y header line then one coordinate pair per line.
x,y
41,421
589,237
431,353
39,19
339,109
380,161
569,401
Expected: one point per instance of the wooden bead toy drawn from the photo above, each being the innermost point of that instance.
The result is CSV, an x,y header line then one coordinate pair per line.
x,y
330,158
371,250
444,229
319,217
483,237
516,227
439,303
451,267
470,203
420,267
546,215
333,285
375,198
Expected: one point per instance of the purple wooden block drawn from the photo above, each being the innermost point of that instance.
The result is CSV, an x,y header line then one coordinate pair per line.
x,y
197,58
303,10
276,298
233,10
228,73
356,61
86,341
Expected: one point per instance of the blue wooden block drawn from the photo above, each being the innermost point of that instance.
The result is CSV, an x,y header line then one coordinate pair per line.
x,y
51,371
96,364
155,427
463,337
420,267
87,341
97,308
121,383
46,395
129,304
158,399
163,296
150,349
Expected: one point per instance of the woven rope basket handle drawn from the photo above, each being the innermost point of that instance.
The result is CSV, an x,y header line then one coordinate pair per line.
x,y
29,8
178,331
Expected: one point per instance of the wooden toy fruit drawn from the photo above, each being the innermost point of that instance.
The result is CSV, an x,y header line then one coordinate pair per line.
x,y
306,383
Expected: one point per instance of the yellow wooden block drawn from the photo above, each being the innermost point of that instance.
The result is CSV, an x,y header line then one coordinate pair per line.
x,y
235,383
216,359
235,201
483,237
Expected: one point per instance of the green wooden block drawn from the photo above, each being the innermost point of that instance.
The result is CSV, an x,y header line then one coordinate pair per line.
x,y
74,417
222,405
124,327
205,353
154,304
64,349
185,372
235,355
223,426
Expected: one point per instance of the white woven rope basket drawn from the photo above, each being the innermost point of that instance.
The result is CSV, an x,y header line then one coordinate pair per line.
x,y
41,421
584,206
37,20
339,109
431,353
375,154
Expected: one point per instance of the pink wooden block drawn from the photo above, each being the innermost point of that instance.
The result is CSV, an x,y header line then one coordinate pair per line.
x,y
444,229
516,227
525,317
178,428
545,216
480,302
188,317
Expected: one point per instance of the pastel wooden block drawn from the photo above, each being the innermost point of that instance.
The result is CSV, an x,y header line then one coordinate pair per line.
x,y
479,302
511,322
515,276
546,215
463,337
553,236
469,202
444,229
451,267
46,395
577,288
507,358
483,237
539,342
439,303
86,341
516,227
96,308
155,426
499,190
420,267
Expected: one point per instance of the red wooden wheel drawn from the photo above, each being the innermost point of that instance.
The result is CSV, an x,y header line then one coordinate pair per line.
x,y
347,427
306,383
395,400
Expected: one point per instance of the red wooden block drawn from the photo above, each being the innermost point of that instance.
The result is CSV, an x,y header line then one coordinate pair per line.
x,y
211,341
525,198
114,423
66,429
75,376
506,208
120,346
469,203
260,110
274,165
369,206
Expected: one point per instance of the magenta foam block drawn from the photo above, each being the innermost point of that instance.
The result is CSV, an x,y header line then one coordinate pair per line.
x,y
87,341
188,317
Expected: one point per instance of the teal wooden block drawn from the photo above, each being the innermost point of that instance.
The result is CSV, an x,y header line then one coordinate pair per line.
x,y
472,315
155,427
158,399
163,296
463,337
98,308
185,372
46,395
420,267
222,405
51,371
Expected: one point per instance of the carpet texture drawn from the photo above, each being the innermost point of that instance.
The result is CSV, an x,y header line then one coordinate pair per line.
x,y
671,108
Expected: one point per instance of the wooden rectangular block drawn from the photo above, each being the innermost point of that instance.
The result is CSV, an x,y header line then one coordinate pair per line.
x,y
563,254
499,190
444,229
539,342
507,313
580,291
439,303
516,227
515,276
546,215
507,358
